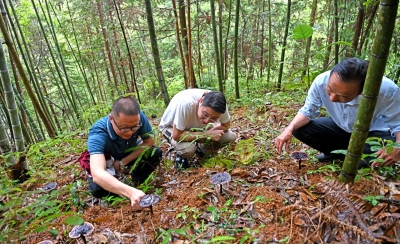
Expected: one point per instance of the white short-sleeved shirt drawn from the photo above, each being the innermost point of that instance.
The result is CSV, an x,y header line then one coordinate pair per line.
x,y
182,111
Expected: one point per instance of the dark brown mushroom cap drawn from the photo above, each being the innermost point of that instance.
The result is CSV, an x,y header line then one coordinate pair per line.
x,y
45,242
299,155
83,229
50,186
149,199
220,178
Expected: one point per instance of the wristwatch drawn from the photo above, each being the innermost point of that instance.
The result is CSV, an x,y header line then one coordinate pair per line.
x,y
121,164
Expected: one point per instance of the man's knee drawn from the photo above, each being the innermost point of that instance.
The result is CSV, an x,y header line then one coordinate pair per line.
x,y
228,137
185,149
96,190
155,156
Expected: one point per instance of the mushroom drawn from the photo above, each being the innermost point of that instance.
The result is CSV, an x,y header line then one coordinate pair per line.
x,y
149,200
81,231
50,186
299,156
220,178
45,242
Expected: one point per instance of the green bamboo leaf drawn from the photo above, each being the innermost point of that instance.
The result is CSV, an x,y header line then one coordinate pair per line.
x,y
343,43
41,228
74,220
53,232
302,32
222,238
340,151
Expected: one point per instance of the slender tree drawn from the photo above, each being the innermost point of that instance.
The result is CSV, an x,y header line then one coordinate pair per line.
x,y
107,45
376,68
289,4
216,47
131,67
13,111
178,38
49,127
156,53
235,58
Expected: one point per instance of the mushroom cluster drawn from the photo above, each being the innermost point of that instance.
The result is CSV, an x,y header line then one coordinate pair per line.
x,y
220,178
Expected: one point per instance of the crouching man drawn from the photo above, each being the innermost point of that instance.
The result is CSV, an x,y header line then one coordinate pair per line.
x,y
114,143
196,121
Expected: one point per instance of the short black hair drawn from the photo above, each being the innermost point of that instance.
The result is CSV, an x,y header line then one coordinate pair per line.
x,y
352,70
125,105
216,101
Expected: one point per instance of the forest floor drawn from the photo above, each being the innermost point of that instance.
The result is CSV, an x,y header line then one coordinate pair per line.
x,y
268,200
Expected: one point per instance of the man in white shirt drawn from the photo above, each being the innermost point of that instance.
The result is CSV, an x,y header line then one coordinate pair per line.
x,y
339,91
196,121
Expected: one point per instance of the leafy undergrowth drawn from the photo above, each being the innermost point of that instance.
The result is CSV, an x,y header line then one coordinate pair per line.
x,y
268,200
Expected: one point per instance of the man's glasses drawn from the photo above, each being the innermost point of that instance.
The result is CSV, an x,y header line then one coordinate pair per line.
x,y
134,128
205,115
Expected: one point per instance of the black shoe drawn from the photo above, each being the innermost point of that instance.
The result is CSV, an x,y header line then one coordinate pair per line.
x,y
322,157
199,153
181,162
363,164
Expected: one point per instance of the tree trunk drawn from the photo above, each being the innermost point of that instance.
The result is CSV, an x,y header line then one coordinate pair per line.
x,y
216,47
156,53
12,110
357,30
192,78
131,67
289,4
372,12
376,69
49,127
178,38
336,35
182,22
308,45
235,57
107,46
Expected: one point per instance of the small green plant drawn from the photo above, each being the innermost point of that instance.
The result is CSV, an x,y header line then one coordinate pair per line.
x,y
262,199
145,186
373,200
326,168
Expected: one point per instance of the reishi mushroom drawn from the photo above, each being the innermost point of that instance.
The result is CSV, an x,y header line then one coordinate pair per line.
x,y
81,231
149,200
50,186
220,178
299,156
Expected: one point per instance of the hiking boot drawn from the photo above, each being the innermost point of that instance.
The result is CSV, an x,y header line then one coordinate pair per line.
x,y
181,162
199,153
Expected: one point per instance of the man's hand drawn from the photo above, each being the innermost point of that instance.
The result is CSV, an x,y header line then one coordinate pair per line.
x,y
117,167
390,159
135,197
283,140
214,135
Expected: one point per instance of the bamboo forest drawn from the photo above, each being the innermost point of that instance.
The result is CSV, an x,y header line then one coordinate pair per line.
x,y
154,121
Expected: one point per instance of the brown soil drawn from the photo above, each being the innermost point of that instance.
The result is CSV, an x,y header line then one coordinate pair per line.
x,y
269,200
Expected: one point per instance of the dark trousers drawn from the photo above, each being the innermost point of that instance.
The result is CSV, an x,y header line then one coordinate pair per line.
x,y
148,163
324,135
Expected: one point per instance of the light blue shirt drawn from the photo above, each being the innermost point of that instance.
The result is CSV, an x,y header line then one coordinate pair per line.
x,y
387,111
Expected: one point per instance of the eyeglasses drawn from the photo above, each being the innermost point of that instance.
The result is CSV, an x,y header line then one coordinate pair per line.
x,y
207,116
134,128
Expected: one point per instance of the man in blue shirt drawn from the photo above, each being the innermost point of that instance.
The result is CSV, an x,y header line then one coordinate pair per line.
x,y
339,91
117,135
